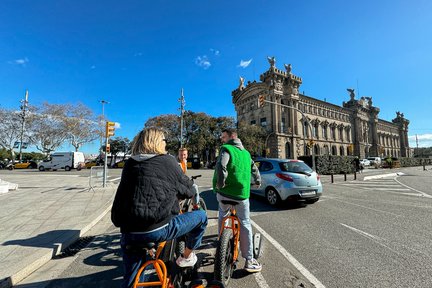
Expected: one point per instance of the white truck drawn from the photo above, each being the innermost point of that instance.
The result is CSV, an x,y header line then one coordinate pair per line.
x,y
63,160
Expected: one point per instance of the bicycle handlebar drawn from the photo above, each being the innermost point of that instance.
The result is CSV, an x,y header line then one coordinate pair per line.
x,y
195,177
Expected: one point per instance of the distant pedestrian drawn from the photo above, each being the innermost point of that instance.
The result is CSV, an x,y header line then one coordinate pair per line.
x,y
182,158
357,164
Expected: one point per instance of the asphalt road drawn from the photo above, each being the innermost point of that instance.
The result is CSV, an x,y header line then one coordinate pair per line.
x,y
372,233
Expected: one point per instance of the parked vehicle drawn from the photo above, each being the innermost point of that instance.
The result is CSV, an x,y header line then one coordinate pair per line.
x,y
374,161
24,165
63,160
365,162
285,179
91,163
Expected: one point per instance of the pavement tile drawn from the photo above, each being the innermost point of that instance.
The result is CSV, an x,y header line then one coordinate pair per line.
x,y
36,223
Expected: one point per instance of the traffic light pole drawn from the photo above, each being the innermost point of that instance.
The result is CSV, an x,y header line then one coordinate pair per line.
x,y
105,164
304,129
109,131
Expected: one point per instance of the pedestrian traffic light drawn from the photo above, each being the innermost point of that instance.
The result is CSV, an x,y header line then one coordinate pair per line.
x,y
108,148
109,129
261,99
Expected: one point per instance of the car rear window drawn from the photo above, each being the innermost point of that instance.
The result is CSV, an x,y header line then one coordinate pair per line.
x,y
295,167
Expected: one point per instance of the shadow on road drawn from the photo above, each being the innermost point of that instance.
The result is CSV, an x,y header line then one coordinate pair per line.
x,y
100,263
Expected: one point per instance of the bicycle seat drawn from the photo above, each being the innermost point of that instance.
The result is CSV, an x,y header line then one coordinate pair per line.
x,y
137,247
229,202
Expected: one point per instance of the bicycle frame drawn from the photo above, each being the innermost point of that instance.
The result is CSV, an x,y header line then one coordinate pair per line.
x,y
160,267
231,221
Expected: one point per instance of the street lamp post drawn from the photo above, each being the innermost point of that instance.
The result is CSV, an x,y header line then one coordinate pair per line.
x,y
103,102
182,104
24,106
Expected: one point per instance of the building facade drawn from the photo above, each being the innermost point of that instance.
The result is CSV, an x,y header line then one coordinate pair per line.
x,y
296,123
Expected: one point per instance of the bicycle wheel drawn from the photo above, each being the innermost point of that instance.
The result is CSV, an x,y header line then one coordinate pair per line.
x,y
224,264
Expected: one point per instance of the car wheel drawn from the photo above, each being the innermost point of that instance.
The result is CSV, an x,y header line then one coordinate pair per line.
x,y
67,168
272,197
311,201
41,168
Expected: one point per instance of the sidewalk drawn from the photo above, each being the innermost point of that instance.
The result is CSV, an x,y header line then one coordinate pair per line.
x,y
42,217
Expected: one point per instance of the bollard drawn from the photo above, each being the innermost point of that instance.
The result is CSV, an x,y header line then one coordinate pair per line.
x,y
344,176
332,180
424,167
355,175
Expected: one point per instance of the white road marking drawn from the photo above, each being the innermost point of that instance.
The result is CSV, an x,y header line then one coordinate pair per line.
x,y
262,283
361,232
376,239
423,194
308,275
115,179
381,176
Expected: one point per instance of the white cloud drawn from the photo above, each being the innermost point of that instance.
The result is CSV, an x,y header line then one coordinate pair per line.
x,y
424,140
215,52
203,61
244,64
21,62
93,67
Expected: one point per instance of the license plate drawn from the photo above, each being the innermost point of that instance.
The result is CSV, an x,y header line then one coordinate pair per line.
x,y
308,193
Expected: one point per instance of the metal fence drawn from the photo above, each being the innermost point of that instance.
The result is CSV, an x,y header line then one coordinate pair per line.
x,y
96,176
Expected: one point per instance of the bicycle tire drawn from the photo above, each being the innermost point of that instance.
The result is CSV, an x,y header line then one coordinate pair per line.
x,y
224,264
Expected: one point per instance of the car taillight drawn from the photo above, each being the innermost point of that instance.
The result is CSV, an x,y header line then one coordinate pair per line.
x,y
318,177
285,177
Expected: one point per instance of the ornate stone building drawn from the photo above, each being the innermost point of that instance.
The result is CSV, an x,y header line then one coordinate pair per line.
x,y
351,129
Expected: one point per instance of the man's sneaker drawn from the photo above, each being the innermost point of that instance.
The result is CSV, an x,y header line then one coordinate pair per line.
x,y
187,262
252,266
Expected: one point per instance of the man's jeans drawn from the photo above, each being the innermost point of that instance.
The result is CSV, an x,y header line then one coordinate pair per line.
x,y
191,224
243,214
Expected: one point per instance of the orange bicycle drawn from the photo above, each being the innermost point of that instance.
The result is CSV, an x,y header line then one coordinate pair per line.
x,y
227,249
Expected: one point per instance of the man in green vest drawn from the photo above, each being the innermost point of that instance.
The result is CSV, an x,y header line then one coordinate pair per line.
x,y
234,171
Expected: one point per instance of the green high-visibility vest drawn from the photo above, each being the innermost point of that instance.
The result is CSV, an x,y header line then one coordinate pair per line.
x,y
237,184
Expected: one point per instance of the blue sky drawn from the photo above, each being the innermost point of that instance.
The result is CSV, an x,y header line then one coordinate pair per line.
x,y
139,54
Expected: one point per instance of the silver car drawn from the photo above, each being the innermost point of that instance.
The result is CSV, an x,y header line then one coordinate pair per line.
x,y
285,179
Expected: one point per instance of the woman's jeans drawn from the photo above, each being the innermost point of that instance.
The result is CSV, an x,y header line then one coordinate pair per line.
x,y
191,224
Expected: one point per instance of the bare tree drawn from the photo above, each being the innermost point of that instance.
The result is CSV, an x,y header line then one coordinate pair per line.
x,y
47,129
80,125
54,124
10,130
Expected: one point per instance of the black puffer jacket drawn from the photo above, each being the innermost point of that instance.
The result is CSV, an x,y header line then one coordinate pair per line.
x,y
147,197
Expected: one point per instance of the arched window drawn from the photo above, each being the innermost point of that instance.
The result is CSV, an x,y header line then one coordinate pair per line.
x,y
317,149
334,150
288,154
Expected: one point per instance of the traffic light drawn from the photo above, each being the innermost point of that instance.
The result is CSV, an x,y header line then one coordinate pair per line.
x,y
108,148
261,99
311,143
109,129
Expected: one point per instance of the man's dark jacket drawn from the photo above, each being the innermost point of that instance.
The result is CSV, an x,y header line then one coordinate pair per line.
x,y
147,197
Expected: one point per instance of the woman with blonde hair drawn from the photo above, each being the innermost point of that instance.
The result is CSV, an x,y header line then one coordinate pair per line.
x,y
146,204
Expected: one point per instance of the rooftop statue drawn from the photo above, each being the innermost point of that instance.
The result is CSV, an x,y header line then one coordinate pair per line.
x,y
288,68
241,84
351,92
272,61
